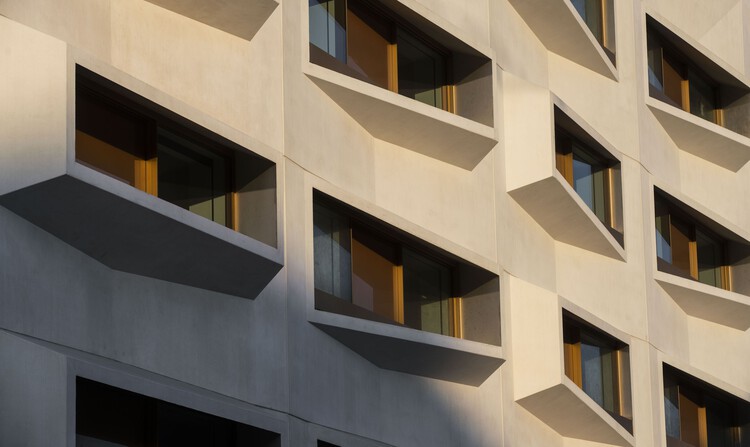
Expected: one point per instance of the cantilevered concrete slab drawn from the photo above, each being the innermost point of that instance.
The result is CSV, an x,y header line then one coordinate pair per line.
x,y
554,204
243,18
128,230
573,414
702,138
412,351
707,302
562,30
405,122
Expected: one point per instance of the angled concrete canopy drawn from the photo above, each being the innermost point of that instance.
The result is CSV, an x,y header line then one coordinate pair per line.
x,y
557,24
573,414
405,122
130,231
412,351
243,18
707,302
702,138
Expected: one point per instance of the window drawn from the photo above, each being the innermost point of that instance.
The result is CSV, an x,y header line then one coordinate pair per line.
x,y
592,172
364,40
687,248
674,79
700,415
108,416
365,269
600,18
600,365
132,140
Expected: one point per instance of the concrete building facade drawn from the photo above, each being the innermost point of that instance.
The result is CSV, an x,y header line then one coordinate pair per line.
x,y
375,223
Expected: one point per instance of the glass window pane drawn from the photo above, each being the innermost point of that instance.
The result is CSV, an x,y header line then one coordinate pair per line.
x,y
427,289
719,422
421,71
673,79
710,259
609,32
589,181
112,140
680,238
369,38
192,177
591,13
328,27
375,284
702,97
671,407
655,77
331,246
591,365
663,240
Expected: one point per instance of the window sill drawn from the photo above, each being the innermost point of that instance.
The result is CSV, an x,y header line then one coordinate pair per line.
x,y
562,31
406,122
707,302
241,18
412,351
131,231
702,138
573,414
555,205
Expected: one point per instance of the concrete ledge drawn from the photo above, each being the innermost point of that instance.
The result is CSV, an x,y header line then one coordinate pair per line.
x,y
573,414
129,230
406,122
702,138
243,18
707,302
554,204
412,351
557,24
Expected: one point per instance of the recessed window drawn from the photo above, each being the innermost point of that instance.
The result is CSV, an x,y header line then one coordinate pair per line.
x,y
367,41
592,172
679,82
700,415
688,248
600,18
600,365
109,416
134,141
365,269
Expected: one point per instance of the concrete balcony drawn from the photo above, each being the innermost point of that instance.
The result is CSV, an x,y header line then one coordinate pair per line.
x,y
704,139
532,178
562,30
114,223
573,414
537,339
707,302
405,122
412,351
243,18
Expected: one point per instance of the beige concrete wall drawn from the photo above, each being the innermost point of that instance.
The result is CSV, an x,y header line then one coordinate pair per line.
x,y
254,91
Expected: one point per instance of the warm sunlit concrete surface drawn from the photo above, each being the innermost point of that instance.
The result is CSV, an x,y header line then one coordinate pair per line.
x,y
557,24
239,17
701,138
707,302
391,117
413,352
570,412
264,354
